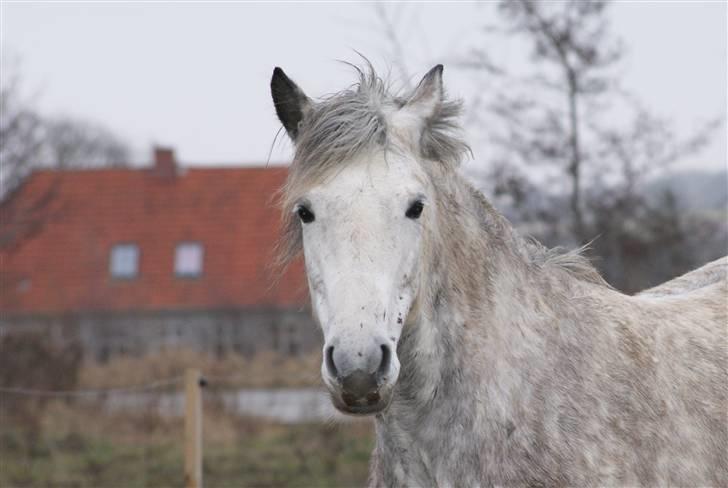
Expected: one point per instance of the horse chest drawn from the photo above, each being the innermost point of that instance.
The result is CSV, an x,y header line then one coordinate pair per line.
x,y
442,448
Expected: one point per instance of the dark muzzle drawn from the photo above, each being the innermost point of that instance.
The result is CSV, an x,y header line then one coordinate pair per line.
x,y
360,389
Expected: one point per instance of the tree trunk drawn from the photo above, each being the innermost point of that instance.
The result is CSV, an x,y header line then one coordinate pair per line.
x,y
575,163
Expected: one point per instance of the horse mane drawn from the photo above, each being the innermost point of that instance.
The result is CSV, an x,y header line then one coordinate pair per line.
x,y
341,126
571,261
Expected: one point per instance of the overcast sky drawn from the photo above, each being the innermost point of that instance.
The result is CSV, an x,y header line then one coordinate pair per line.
x,y
196,76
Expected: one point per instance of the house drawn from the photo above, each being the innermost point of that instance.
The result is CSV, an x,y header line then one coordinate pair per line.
x,y
128,261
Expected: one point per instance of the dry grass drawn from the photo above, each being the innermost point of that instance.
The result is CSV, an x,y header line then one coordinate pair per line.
x,y
79,442
79,445
264,370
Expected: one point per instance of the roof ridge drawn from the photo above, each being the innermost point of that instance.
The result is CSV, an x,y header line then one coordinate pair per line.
x,y
184,167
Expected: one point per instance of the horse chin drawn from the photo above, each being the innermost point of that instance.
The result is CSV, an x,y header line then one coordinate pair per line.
x,y
360,410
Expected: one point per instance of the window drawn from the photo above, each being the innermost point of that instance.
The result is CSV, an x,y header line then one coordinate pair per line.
x,y
188,259
124,261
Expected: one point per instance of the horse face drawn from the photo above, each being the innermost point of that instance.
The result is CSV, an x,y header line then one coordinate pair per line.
x,y
362,240
363,232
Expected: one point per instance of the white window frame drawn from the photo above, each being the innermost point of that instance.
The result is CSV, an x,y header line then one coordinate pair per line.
x,y
124,267
195,264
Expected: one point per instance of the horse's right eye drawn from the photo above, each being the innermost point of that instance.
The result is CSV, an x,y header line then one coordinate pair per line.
x,y
415,210
305,215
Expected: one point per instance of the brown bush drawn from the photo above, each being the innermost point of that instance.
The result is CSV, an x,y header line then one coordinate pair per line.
x,y
29,361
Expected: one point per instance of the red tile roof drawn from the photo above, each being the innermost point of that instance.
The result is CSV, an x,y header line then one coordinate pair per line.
x,y
60,261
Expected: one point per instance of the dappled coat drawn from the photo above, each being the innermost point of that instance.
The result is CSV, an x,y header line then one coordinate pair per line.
x,y
513,365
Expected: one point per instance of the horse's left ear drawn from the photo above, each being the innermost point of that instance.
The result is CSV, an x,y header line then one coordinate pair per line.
x,y
290,102
428,95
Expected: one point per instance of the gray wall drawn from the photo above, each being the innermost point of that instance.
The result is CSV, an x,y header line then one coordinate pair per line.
x,y
103,335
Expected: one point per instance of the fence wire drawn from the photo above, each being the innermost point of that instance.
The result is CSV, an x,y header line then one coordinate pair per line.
x,y
133,436
92,392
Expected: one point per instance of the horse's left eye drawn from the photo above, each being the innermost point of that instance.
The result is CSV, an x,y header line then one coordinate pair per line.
x,y
415,210
305,215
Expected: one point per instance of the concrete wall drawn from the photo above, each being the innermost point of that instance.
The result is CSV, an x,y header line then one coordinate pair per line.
x,y
103,335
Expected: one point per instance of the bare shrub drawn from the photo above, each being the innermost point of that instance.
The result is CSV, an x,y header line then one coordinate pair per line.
x,y
30,361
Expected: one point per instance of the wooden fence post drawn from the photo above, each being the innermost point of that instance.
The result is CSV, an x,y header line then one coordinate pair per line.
x,y
193,429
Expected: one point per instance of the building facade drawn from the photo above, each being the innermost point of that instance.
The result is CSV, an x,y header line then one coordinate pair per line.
x,y
129,261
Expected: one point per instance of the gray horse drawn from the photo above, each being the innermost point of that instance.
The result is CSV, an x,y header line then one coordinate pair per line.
x,y
486,358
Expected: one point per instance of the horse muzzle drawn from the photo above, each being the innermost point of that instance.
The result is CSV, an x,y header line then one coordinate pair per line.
x,y
360,382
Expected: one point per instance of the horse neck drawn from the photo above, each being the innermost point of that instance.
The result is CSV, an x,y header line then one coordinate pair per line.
x,y
479,281
467,353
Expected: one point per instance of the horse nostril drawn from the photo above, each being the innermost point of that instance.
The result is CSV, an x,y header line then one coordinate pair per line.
x,y
330,366
386,358
372,398
349,399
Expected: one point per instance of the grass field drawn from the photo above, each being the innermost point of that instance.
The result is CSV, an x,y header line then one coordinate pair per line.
x,y
74,446
73,443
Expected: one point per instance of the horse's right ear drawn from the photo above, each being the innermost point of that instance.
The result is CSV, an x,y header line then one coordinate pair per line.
x,y
290,101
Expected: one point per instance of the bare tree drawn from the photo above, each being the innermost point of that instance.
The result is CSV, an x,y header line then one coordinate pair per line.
x,y
389,18
29,141
20,136
572,38
76,143
558,116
